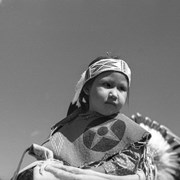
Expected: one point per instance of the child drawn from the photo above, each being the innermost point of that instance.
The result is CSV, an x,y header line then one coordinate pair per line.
x,y
95,134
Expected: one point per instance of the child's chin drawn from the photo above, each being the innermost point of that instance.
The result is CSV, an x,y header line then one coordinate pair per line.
x,y
109,113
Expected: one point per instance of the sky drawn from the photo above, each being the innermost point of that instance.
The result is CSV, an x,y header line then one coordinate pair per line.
x,y
45,45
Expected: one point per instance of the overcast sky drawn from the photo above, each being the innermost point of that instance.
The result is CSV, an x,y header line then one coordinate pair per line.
x,y
46,44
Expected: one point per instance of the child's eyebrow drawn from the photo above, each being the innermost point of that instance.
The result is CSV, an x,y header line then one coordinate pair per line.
x,y
107,79
111,80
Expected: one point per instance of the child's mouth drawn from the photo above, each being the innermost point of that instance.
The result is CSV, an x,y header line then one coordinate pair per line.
x,y
111,103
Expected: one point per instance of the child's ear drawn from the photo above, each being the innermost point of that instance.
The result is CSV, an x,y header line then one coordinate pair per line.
x,y
86,89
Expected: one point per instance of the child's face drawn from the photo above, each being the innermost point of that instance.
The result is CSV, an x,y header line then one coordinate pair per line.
x,y
108,93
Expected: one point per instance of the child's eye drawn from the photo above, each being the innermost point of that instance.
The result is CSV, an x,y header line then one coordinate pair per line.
x,y
106,84
123,88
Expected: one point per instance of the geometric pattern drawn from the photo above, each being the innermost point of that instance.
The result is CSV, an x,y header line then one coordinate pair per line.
x,y
57,143
102,138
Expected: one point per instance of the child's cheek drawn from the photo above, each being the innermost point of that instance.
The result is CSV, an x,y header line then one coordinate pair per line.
x,y
123,98
102,92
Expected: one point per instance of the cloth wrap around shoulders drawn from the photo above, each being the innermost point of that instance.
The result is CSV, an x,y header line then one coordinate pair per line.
x,y
116,142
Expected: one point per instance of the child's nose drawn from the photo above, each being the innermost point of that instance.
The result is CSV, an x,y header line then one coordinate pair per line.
x,y
113,94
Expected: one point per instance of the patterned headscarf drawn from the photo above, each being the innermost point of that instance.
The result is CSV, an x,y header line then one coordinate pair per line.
x,y
98,67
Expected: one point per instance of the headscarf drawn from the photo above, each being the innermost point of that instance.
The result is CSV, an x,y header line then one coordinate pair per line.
x,y
94,70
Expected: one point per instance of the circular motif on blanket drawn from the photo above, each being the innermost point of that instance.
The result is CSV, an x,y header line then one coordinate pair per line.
x,y
104,137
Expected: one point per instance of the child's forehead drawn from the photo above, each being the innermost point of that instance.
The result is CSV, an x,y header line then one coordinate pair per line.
x,y
111,76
